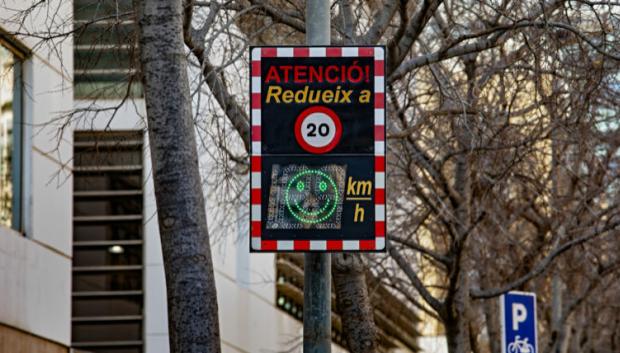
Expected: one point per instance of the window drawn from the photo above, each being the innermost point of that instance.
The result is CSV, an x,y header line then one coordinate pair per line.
x,y
107,294
104,50
10,135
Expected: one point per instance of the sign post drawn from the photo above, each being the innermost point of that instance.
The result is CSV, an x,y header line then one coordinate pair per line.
x,y
318,158
317,266
518,321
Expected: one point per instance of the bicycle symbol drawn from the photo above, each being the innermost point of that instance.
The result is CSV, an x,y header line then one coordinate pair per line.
x,y
520,346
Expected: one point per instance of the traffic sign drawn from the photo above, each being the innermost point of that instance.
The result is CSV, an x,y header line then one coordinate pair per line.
x,y
318,129
318,148
518,321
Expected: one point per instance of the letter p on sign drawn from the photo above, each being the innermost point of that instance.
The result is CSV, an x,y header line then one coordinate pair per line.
x,y
518,319
519,315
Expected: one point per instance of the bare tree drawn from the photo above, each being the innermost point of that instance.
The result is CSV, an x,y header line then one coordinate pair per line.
x,y
190,283
474,116
508,170
502,156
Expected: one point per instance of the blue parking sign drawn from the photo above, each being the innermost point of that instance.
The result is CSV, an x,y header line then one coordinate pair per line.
x,y
518,315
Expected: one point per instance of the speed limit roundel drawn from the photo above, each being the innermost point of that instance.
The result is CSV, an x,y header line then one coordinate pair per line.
x,y
318,129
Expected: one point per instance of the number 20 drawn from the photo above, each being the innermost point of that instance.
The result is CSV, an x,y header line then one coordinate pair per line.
x,y
323,129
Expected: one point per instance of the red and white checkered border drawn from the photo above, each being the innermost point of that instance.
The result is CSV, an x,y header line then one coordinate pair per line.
x,y
257,243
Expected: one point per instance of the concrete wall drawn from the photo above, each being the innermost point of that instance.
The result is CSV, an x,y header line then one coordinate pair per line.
x,y
35,269
35,292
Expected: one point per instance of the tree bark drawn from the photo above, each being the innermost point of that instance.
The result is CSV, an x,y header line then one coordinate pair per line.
x,y
457,335
491,317
353,303
190,285
457,326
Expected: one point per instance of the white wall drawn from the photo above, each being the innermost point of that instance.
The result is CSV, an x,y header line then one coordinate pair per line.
x,y
50,183
35,271
35,289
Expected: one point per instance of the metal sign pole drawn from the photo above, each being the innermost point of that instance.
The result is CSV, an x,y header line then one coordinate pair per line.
x,y
317,266
317,303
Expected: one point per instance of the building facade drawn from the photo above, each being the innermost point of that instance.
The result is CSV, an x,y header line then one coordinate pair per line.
x,y
36,188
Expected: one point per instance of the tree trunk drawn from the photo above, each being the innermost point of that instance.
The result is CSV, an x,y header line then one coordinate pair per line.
x,y
353,303
491,318
457,324
557,326
192,302
473,338
457,335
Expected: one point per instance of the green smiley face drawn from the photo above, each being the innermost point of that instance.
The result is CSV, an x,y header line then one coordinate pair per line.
x,y
311,196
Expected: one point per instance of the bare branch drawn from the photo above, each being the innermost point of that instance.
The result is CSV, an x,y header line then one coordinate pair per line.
x,y
405,266
543,265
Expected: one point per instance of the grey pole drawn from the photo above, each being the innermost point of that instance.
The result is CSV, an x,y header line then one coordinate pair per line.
x,y
317,303
318,22
317,266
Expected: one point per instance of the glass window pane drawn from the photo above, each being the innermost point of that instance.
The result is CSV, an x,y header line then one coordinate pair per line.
x,y
88,36
108,281
92,157
107,231
105,51
113,255
132,349
111,331
102,60
108,181
7,85
119,205
100,137
107,306
96,9
117,350
110,89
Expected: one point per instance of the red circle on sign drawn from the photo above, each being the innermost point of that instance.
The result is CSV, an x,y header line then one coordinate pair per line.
x,y
312,120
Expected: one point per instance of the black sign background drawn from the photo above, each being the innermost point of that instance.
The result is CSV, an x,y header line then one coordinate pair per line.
x,y
356,148
278,127
361,167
